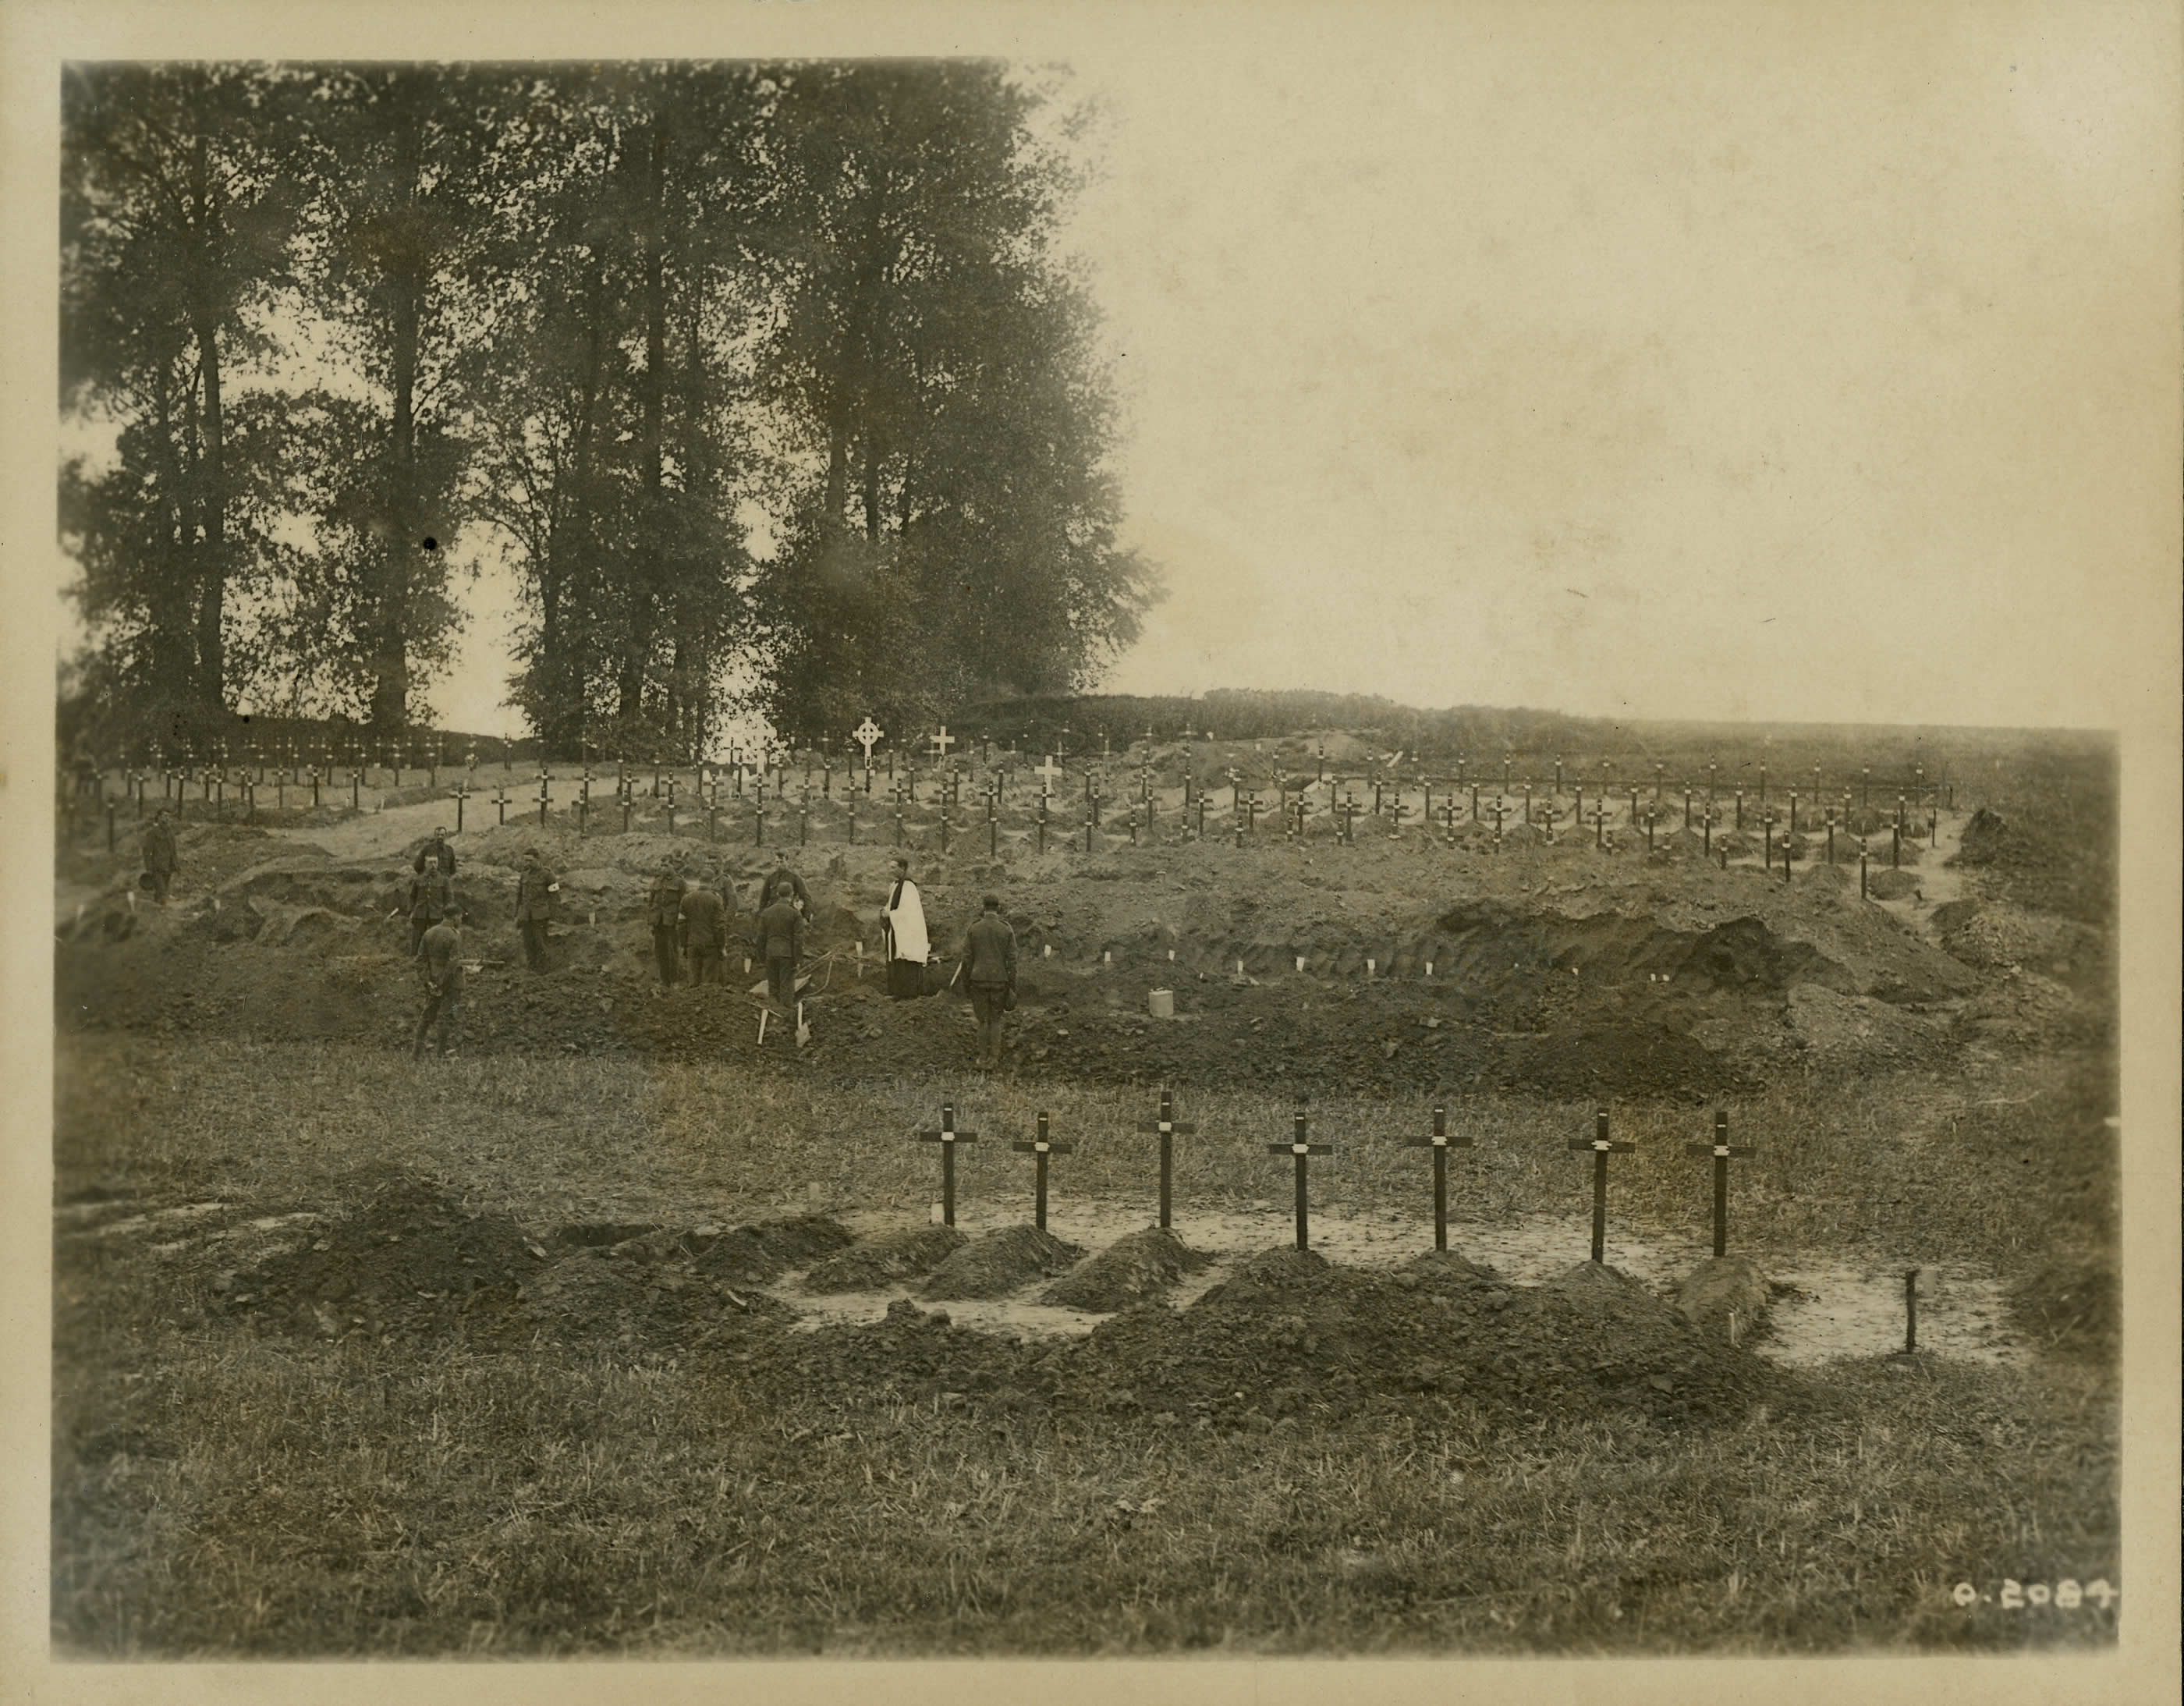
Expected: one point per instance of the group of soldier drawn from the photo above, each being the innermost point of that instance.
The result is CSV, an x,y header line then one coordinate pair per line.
x,y
690,922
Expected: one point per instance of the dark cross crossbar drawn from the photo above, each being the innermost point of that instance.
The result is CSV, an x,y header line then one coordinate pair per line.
x,y
948,1137
1041,1147
1439,1143
1601,1149
1721,1151
1303,1150
1167,1127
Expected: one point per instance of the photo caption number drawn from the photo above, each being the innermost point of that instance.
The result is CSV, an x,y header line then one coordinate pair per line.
x,y
2066,1595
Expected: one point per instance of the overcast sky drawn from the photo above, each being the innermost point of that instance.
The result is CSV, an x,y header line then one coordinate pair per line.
x,y
1805,362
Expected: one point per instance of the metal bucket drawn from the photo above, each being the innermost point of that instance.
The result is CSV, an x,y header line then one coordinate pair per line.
x,y
1160,1004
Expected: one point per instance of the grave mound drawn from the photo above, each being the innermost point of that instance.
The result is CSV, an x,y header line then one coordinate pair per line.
x,y
1891,884
1290,1339
408,1257
886,1261
630,1292
1131,1270
1726,1295
764,1251
1000,1263
1447,1267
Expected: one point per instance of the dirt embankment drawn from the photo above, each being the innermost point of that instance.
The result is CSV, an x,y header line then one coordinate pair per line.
x,y
1553,966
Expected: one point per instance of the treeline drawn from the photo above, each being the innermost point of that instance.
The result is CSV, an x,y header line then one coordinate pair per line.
x,y
766,380
1077,722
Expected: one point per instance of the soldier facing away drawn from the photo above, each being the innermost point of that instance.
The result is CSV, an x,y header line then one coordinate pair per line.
x,y
535,888
780,938
443,973
161,860
989,968
431,898
704,931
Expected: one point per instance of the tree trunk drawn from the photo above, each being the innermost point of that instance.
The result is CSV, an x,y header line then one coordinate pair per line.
x,y
390,694
212,473
644,602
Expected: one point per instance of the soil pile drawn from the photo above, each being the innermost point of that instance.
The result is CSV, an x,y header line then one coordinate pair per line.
x,y
410,1259
1726,1295
755,1254
885,1262
1000,1263
1290,1340
1132,1269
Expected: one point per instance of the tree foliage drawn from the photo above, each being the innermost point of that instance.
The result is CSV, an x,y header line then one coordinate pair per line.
x,y
764,379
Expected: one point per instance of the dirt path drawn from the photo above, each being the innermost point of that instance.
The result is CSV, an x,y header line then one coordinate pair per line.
x,y
374,835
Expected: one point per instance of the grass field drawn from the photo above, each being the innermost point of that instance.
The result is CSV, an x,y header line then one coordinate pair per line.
x,y
218,1491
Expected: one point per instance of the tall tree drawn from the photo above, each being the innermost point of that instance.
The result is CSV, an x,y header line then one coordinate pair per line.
x,y
952,530
411,184
178,206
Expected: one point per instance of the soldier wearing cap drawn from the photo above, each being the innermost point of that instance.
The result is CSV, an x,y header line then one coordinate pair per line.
x,y
664,909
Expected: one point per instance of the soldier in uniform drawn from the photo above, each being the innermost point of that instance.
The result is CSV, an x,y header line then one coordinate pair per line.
x,y
431,901
664,909
534,904
780,938
442,972
704,931
161,861
990,966
785,878
435,852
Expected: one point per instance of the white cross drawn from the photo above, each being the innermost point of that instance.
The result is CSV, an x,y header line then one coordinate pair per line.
x,y
868,735
942,742
1049,770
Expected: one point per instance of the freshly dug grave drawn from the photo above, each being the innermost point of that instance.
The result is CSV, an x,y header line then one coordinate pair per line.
x,y
1132,1269
885,1262
1726,1295
408,1258
1000,1263
754,1254
619,1294
1290,1339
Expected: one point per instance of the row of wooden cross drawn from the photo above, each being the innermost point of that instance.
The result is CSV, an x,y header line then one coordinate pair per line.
x,y
1300,1148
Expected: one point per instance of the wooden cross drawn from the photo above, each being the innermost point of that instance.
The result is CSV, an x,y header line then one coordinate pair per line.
x,y
1600,824
1720,1150
461,792
942,742
500,800
545,796
1601,1149
868,734
948,1137
1048,773
1041,1147
1300,1147
1441,1143
1167,1127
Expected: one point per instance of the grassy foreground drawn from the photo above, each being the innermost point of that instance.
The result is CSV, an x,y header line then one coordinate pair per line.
x,y
216,1493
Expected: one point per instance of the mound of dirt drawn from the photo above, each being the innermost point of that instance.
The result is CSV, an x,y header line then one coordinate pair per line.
x,y
1891,884
754,1254
1837,1029
628,1291
1000,1263
1726,1295
1291,1339
885,1262
1132,1269
408,1259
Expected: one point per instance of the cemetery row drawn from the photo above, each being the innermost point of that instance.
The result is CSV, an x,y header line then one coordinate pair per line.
x,y
1301,1147
729,801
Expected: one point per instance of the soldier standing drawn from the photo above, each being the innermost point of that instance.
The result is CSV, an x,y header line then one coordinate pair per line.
x,y
989,968
781,938
161,861
435,852
665,910
443,973
535,888
431,898
704,931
